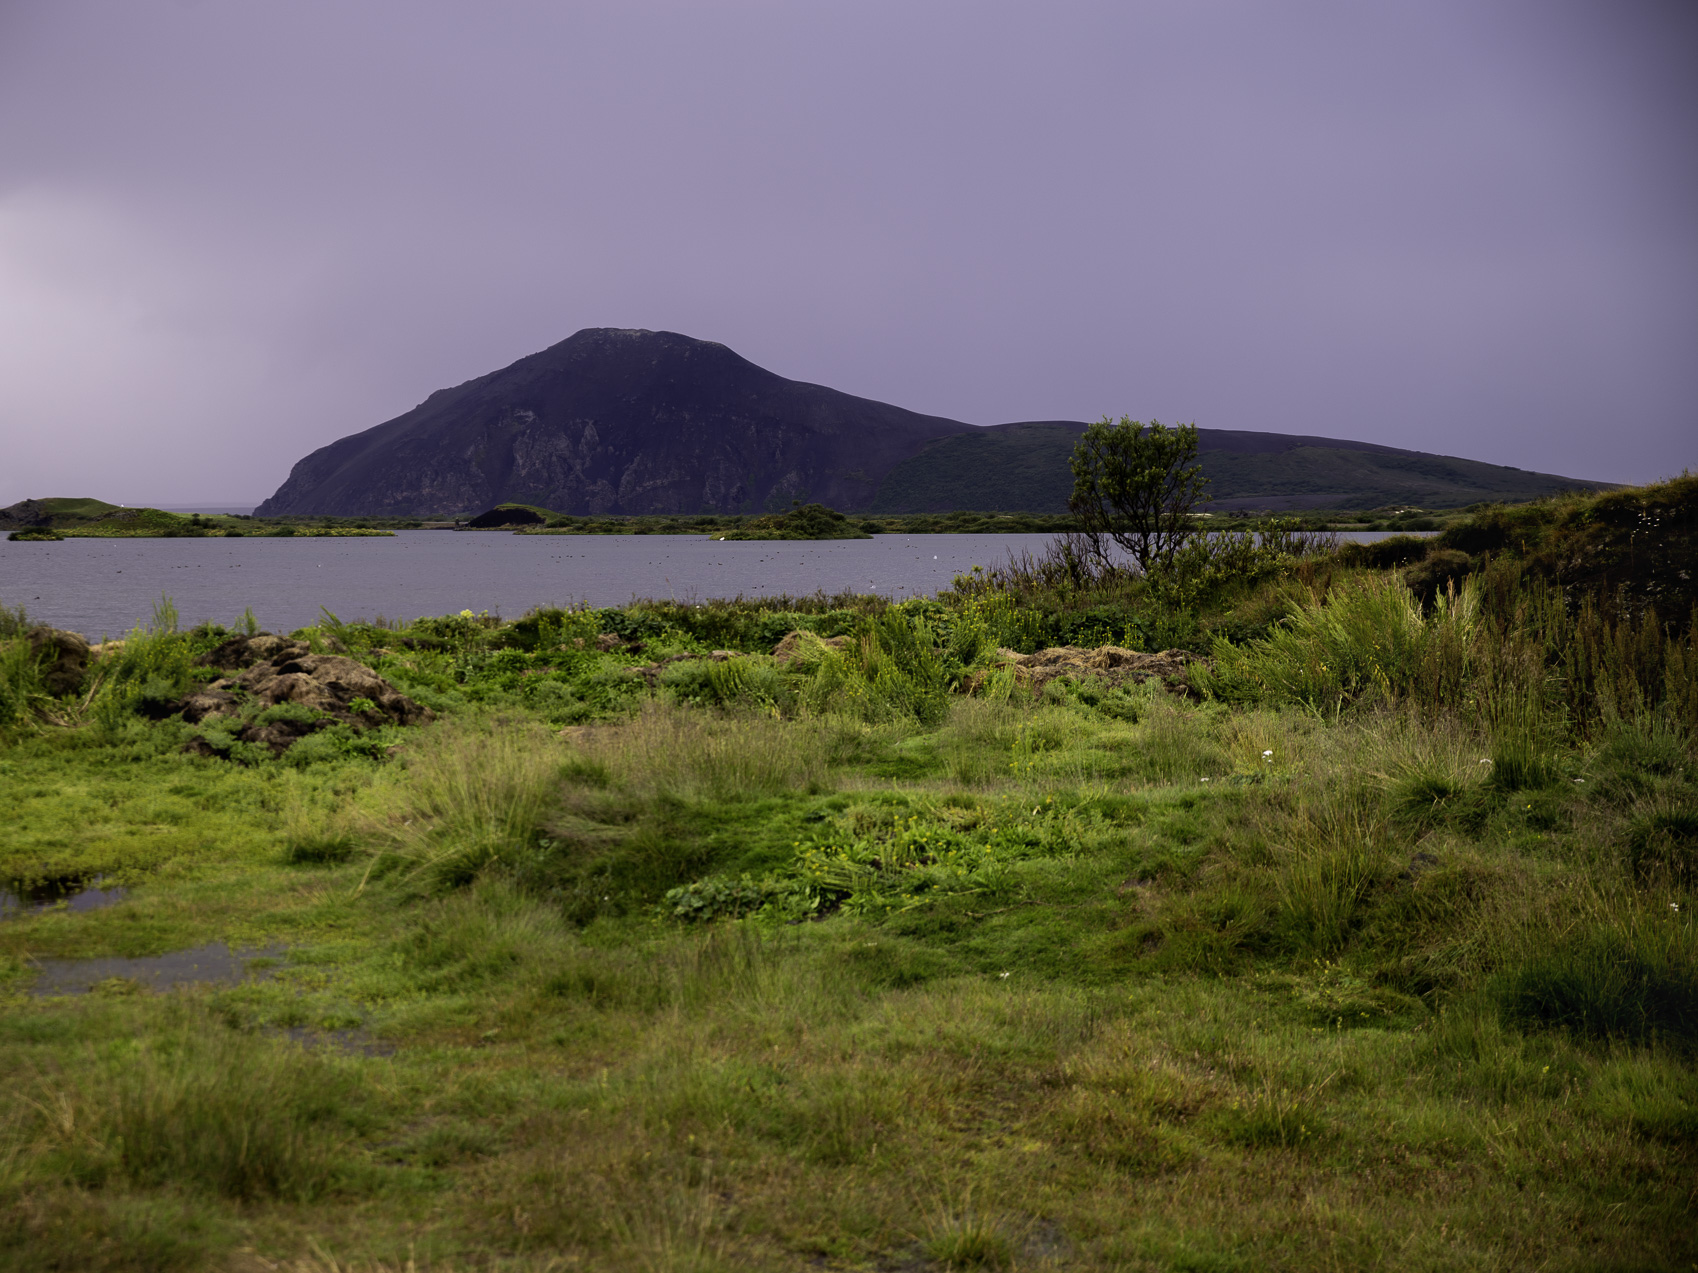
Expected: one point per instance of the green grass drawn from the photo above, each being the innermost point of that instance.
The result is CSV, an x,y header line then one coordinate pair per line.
x,y
839,965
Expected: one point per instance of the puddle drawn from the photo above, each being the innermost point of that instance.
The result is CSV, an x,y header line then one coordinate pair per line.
x,y
88,894
353,1041
213,964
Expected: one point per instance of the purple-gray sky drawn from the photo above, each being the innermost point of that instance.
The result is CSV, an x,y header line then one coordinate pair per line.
x,y
234,230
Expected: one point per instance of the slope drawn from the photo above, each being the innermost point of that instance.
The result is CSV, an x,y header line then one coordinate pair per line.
x,y
1023,467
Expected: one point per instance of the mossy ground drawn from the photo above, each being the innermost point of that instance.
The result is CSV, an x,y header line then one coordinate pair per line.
x,y
832,966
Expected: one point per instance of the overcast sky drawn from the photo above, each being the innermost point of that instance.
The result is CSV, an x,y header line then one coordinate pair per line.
x,y
234,230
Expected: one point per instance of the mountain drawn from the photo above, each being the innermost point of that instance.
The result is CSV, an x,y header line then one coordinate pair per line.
x,y
1024,467
623,421
615,421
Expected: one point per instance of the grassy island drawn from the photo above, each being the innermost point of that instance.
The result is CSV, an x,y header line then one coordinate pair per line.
x,y
56,519
1310,908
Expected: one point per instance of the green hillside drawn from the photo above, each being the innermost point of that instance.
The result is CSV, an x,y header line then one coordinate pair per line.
x,y
84,508
1024,468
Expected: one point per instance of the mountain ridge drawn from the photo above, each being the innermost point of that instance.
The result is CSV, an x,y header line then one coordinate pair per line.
x,y
631,421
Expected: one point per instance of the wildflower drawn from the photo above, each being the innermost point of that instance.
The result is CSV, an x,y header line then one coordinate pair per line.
x,y
1268,756
1485,762
1004,976
465,614
1675,907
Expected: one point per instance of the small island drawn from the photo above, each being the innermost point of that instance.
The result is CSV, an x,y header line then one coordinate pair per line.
x,y
809,521
51,520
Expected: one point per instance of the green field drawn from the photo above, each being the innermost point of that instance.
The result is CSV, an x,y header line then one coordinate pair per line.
x,y
1365,939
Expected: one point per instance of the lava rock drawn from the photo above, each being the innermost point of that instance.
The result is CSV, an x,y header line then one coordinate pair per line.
x,y
244,651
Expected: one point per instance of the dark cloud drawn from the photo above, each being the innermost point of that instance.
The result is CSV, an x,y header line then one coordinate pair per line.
x,y
233,230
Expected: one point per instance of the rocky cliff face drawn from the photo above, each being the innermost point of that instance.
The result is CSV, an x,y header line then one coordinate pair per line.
x,y
615,421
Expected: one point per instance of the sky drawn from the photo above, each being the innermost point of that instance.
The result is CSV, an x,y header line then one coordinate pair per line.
x,y
232,231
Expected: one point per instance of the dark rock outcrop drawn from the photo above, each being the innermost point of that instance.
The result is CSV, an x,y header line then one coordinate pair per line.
x,y
25,513
616,421
242,651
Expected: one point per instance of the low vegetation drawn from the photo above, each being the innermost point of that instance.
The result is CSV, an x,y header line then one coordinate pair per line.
x,y
823,933
56,519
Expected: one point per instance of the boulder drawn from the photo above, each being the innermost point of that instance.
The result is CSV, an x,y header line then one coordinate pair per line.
x,y
329,684
62,658
208,702
244,651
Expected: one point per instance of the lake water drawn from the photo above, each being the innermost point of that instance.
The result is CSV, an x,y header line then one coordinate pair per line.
x,y
105,587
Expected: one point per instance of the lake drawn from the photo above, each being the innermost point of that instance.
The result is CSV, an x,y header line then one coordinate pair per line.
x,y
105,587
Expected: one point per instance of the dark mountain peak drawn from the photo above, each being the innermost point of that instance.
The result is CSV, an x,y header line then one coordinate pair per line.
x,y
616,420
616,352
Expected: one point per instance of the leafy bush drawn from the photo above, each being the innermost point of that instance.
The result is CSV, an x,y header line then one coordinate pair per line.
x,y
716,899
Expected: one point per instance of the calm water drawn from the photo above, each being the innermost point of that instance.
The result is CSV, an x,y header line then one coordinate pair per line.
x,y
212,964
105,587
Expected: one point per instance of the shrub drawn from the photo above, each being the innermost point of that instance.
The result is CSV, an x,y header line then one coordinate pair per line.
x,y
1436,573
1385,554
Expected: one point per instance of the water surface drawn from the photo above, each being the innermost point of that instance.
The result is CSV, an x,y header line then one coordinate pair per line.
x,y
105,587
90,894
214,964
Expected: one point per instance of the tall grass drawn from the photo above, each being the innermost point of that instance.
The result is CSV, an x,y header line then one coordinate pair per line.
x,y
1328,857
21,694
895,670
673,752
14,622
467,795
1365,639
196,1107
1511,655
